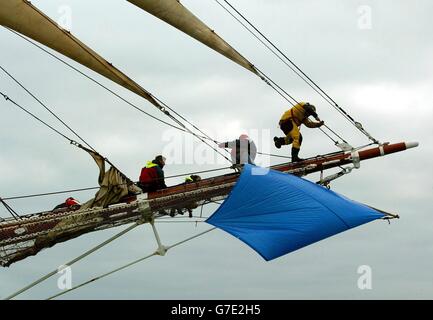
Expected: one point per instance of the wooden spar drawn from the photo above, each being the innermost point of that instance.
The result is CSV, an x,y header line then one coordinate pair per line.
x,y
38,231
342,158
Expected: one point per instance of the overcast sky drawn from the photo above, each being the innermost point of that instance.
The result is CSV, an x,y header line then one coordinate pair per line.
x,y
381,75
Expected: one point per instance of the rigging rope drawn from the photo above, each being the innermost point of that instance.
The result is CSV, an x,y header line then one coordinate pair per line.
x,y
169,177
94,188
295,68
73,142
70,263
38,119
91,79
285,94
128,265
195,127
13,213
183,127
46,108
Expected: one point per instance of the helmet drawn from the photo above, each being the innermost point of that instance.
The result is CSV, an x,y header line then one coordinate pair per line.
x,y
310,110
243,137
71,202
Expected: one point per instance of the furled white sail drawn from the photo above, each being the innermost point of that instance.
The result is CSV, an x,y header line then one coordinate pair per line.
x,y
26,19
174,13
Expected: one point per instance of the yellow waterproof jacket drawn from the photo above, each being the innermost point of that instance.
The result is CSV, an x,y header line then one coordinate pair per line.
x,y
297,114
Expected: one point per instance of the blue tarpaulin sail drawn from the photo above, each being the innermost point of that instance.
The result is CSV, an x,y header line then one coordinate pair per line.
x,y
276,213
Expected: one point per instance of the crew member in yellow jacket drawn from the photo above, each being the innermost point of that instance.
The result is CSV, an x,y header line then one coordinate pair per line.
x,y
290,123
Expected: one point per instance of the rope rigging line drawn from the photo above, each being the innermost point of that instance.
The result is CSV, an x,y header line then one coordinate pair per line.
x,y
273,155
38,119
13,213
70,263
202,139
280,90
73,142
93,80
128,265
298,70
94,188
168,177
183,127
270,49
285,95
48,109
186,221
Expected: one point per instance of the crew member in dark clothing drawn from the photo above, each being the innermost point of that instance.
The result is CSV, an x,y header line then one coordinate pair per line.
x,y
193,205
243,150
188,206
152,175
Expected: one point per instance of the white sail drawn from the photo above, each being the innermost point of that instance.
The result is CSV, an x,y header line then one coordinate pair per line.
x,y
175,14
26,19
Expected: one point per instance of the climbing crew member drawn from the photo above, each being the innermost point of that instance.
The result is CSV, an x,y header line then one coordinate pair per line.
x,y
243,150
290,123
152,176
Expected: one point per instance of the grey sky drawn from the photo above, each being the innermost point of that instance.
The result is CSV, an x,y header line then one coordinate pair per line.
x,y
382,76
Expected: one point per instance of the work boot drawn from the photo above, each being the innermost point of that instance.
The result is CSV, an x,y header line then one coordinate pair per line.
x,y
295,152
279,142
172,212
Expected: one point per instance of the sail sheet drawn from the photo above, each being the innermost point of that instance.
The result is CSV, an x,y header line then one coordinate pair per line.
x,y
175,14
26,19
276,213
113,184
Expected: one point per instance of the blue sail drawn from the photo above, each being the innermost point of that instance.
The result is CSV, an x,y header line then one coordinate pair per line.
x,y
276,213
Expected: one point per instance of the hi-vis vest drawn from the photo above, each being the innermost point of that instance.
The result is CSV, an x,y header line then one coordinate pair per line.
x,y
150,164
149,173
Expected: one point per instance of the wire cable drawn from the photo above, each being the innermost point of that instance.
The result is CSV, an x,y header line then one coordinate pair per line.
x,y
94,188
70,263
13,213
46,108
183,127
294,66
39,119
128,265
